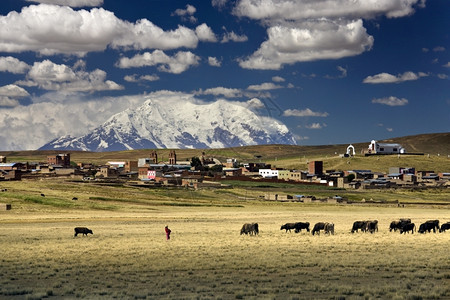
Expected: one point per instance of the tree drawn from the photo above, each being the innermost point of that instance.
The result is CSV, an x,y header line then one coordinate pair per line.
x,y
196,163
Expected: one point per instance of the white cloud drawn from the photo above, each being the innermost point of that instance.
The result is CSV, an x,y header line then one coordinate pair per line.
x,y
442,76
218,3
278,79
255,103
135,78
264,87
270,10
214,62
51,29
13,65
12,90
73,3
447,65
316,126
187,14
205,33
56,114
233,37
309,41
50,76
303,113
217,91
175,64
7,102
300,31
391,101
388,78
439,49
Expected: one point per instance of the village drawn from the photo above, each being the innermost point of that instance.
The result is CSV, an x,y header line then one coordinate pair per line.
x,y
209,172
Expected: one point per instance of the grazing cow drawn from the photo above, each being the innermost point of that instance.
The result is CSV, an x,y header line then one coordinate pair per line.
x,y
444,227
359,225
74,198
43,195
329,228
251,229
398,224
82,230
301,225
372,226
318,227
288,226
428,226
408,227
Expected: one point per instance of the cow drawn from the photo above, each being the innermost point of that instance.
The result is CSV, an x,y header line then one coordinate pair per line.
x,y
318,227
428,226
301,225
251,229
398,224
82,230
408,227
444,227
329,228
359,225
42,195
288,226
372,226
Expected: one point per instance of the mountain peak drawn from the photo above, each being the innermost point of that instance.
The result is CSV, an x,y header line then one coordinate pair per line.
x,y
179,124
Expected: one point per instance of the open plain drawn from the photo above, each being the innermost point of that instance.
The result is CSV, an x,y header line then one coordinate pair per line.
x,y
128,257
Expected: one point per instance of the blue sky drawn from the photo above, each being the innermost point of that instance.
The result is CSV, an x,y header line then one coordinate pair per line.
x,y
333,71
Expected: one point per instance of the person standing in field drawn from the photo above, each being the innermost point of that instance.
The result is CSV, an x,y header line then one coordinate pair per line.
x,y
168,231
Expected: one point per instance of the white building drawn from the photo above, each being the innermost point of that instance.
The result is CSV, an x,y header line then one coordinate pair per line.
x,y
384,148
268,173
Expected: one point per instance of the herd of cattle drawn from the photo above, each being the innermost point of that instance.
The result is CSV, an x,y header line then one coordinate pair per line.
x,y
402,225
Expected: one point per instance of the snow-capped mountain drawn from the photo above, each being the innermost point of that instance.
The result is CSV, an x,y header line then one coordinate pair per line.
x,y
179,124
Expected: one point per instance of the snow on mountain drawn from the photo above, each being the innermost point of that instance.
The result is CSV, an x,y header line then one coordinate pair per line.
x,y
179,124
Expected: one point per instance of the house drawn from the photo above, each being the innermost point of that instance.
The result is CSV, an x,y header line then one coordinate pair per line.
x,y
59,159
385,148
268,173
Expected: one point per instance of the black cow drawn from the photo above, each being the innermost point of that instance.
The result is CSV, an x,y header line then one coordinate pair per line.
x,y
250,228
444,227
359,225
301,225
408,227
428,226
288,226
82,230
398,224
372,226
318,227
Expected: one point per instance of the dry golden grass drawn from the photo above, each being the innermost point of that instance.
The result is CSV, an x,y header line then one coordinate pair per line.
x,y
128,256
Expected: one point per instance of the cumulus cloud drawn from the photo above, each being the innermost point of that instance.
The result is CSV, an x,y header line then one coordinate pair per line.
x,y
447,65
300,31
255,103
388,78
205,33
56,114
278,79
13,65
297,10
303,113
72,3
50,76
316,126
136,78
218,3
51,29
233,37
186,14
264,87
176,64
9,95
391,101
221,91
309,41
214,62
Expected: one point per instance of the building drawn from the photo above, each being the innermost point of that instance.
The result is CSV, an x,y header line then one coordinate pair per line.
x,y
172,157
315,167
384,148
59,159
268,173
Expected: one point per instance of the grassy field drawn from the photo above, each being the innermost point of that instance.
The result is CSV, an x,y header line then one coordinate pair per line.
x,y
128,257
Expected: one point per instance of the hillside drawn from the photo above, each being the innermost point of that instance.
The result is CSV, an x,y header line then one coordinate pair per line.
x,y
289,156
